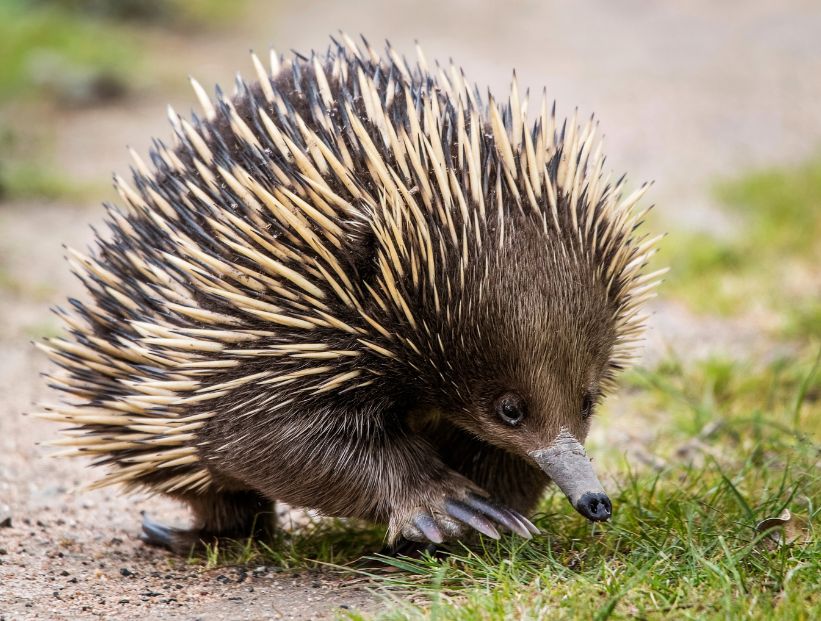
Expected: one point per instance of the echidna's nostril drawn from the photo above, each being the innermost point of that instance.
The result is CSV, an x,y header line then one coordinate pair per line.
x,y
595,506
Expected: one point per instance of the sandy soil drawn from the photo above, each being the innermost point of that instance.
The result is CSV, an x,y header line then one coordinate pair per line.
x,y
684,94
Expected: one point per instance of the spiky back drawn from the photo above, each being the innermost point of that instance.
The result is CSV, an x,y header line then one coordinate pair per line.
x,y
282,248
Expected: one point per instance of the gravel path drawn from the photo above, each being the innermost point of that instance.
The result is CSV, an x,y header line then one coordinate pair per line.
x,y
684,94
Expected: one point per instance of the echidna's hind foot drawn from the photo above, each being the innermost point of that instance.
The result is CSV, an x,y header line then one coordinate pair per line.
x,y
219,517
179,541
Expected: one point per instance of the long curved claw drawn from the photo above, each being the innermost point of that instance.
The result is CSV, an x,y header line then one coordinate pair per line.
x,y
157,534
471,517
503,516
527,523
427,525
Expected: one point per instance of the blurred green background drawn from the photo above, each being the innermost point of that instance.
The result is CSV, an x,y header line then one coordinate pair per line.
x,y
718,103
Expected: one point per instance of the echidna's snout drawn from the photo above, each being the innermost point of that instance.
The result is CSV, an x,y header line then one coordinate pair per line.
x,y
595,506
567,464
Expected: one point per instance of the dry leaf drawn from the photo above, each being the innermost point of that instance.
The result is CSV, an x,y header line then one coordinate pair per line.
x,y
770,524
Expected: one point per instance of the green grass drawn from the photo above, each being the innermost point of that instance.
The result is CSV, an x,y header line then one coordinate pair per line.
x,y
768,266
42,45
783,206
62,49
319,544
175,13
38,179
52,56
683,541
739,443
59,54
32,291
27,170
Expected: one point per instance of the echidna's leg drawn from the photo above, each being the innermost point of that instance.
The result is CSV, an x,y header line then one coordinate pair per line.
x,y
217,515
344,465
508,479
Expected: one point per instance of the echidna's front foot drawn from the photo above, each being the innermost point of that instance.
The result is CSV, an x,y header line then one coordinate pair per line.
x,y
451,518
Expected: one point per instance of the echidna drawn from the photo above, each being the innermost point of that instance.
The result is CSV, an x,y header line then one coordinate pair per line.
x,y
357,286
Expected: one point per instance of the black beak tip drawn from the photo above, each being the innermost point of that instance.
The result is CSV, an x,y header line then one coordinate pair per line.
x,y
595,506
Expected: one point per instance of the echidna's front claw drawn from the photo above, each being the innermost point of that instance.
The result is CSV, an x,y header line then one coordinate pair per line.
x,y
456,511
427,525
471,516
508,518
530,526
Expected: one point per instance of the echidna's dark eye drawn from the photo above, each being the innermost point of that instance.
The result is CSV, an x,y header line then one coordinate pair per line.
x,y
511,408
588,402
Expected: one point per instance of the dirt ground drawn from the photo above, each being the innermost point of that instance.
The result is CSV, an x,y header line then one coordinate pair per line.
x,y
684,94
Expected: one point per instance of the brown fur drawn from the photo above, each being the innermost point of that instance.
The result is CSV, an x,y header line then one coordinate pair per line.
x,y
544,331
